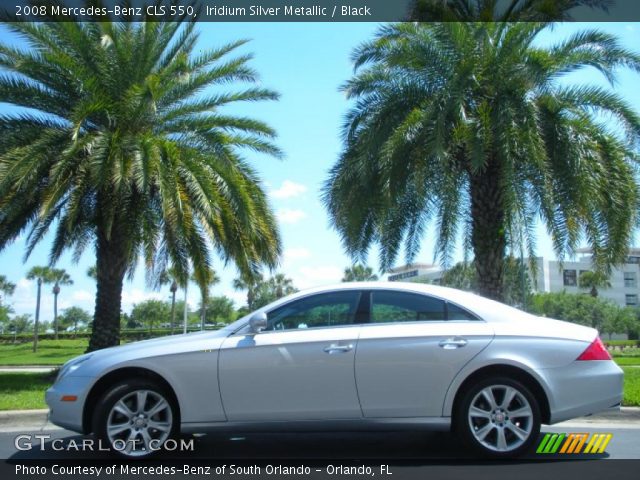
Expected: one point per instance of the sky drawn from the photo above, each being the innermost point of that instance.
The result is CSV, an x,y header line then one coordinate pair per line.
x,y
306,63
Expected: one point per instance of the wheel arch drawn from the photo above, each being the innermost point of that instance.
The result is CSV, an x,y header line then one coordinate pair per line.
x,y
115,376
510,371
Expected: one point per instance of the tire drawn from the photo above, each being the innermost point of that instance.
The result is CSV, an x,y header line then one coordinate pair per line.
x,y
135,417
498,417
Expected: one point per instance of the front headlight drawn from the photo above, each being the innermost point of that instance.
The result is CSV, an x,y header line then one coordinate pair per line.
x,y
72,365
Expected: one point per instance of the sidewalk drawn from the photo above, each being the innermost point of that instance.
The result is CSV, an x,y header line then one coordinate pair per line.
x,y
28,368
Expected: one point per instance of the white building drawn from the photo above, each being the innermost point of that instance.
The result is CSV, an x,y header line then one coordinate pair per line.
x,y
553,276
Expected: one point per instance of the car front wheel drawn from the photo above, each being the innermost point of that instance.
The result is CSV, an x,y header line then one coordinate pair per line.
x,y
499,417
135,418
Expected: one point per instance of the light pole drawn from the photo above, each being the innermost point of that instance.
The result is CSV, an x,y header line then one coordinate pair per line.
x,y
184,313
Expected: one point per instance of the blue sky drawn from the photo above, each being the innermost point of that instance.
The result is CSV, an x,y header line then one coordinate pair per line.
x,y
306,63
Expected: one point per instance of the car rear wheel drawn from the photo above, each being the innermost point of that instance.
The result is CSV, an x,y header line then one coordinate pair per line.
x,y
499,417
135,418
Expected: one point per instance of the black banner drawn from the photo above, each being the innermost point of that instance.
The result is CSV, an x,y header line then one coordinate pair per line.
x,y
320,10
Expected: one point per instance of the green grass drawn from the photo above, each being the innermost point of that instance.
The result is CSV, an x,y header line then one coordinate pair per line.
x,y
50,352
631,387
623,361
23,391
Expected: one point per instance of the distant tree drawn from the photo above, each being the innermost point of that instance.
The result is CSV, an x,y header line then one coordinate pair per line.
x,y
261,292
74,316
582,309
6,287
20,324
359,273
58,277
92,272
150,312
5,320
250,284
204,278
220,309
40,275
464,276
594,281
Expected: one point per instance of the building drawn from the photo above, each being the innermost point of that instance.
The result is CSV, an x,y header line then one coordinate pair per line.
x,y
553,276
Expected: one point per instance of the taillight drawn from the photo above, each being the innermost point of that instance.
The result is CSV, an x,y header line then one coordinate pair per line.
x,y
595,351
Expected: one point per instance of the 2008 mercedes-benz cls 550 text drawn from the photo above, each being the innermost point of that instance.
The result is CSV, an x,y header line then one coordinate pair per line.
x,y
372,355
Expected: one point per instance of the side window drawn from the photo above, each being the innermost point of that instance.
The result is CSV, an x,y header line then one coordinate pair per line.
x,y
388,306
323,310
454,312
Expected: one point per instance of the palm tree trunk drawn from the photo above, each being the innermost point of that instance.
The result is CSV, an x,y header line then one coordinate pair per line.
x,y
173,310
111,267
55,316
488,231
35,326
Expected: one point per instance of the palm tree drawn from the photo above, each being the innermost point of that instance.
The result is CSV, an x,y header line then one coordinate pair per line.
x,y
129,151
6,287
593,281
465,126
92,272
41,275
359,273
58,277
171,277
204,280
250,284
281,286
492,10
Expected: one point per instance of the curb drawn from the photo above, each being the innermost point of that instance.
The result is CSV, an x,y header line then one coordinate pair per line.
x,y
23,417
19,418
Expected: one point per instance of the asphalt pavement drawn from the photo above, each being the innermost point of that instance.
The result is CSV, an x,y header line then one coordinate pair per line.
x,y
59,444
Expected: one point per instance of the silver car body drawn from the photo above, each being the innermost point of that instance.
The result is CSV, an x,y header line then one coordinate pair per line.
x,y
384,375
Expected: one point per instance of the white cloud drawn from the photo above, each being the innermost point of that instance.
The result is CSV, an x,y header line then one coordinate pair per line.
x,y
312,276
288,189
295,253
131,296
630,28
83,296
239,297
290,215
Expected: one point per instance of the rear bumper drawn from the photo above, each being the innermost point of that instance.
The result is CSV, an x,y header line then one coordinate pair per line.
x,y
583,388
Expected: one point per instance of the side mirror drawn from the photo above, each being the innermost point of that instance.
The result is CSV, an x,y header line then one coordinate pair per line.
x,y
258,322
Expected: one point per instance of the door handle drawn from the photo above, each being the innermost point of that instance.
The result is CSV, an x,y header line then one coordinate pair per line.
x,y
335,348
453,343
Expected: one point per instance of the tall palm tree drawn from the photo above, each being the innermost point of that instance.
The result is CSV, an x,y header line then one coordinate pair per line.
x,y
122,145
204,280
40,275
466,125
6,287
359,273
171,277
594,281
58,277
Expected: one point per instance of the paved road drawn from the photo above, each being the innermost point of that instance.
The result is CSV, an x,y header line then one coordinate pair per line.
x,y
396,447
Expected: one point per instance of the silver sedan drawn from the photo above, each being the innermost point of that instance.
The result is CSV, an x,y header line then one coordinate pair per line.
x,y
352,356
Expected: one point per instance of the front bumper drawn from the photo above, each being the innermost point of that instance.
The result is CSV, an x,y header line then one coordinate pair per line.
x,y
68,414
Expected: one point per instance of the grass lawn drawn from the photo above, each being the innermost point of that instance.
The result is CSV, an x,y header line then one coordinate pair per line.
x,y
631,387
23,391
50,352
622,361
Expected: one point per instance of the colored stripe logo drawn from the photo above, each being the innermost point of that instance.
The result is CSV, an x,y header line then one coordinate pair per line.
x,y
573,443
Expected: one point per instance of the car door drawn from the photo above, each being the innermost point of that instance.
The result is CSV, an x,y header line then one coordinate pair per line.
x,y
300,367
410,351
